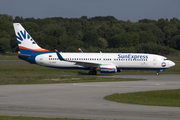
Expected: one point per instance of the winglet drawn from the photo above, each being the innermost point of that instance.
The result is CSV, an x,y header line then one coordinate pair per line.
x,y
56,50
80,50
59,55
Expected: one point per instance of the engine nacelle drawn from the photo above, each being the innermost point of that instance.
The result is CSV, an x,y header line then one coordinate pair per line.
x,y
108,69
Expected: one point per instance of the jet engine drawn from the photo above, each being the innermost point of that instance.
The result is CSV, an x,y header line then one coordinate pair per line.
x,y
108,69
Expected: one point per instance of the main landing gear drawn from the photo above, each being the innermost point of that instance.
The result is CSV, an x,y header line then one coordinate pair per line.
x,y
92,72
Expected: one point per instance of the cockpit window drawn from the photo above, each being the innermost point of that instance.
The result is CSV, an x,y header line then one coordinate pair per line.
x,y
165,59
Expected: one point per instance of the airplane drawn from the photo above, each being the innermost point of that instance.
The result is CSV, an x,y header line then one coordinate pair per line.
x,y
31,52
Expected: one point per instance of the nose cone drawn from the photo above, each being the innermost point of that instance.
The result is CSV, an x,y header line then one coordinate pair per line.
x,y
171,64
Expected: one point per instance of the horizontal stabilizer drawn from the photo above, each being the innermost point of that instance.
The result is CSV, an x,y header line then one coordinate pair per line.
x,y
24,55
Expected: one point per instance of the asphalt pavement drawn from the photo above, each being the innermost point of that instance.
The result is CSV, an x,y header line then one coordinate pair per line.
x,y
85,100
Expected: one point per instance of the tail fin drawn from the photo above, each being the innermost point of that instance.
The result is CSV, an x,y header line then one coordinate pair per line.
x,y
26,43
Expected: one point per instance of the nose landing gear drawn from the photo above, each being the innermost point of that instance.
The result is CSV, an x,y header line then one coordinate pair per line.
x,y
157,73
161,70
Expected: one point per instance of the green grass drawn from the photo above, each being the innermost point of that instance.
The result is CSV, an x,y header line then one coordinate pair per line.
x,y
26,73
32,118
9,57
156,98
7,79
22,68
173,57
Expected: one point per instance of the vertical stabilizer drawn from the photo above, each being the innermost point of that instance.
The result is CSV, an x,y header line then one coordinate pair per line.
x,y
25,42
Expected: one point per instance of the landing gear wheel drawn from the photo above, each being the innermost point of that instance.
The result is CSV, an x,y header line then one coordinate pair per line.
x,y
92,72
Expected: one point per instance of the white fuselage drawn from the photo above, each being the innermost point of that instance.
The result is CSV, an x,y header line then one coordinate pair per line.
x,y
90,60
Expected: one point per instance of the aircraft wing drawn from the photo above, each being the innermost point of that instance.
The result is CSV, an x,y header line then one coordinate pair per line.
x,y
87,64
81,63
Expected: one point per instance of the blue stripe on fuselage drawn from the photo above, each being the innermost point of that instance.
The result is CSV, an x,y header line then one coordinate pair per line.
x,y
32,54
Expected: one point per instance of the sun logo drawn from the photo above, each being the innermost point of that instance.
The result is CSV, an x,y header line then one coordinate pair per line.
x,y
163,64
24,36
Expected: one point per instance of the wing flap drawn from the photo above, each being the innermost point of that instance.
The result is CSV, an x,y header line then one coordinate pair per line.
x,y
87,64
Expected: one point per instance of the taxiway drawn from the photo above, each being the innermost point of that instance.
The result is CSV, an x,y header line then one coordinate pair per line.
x,y
85,100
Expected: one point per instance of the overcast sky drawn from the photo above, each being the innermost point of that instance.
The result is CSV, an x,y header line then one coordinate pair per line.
x,y
132,10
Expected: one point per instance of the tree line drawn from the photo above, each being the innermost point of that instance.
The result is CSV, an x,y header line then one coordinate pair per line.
x,y
106,34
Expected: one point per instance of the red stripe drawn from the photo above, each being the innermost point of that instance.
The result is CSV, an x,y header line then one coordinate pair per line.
x,y
106,68
39,50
